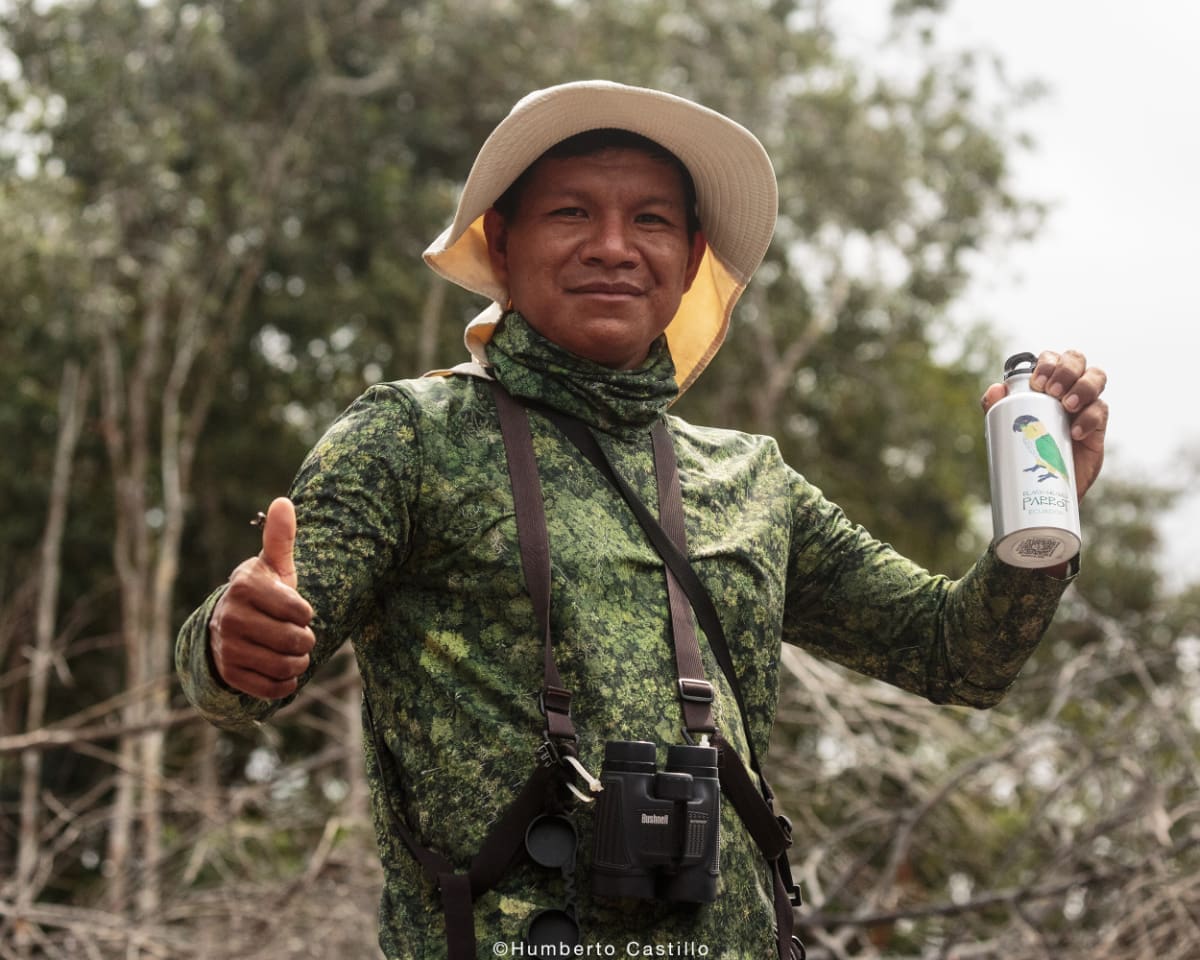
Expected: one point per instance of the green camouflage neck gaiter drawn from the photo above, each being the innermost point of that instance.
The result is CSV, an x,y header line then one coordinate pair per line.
x,y
619,402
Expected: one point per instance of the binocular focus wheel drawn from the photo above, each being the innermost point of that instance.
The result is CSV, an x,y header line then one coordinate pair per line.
x,y
549,928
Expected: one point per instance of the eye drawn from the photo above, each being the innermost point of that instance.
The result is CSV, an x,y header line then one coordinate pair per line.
x,y
569,212
654,219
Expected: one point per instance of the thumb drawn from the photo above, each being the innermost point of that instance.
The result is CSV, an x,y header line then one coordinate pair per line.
x,y
995,393
278,538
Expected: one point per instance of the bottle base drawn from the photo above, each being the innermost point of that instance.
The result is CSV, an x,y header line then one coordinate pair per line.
x,y
1035,547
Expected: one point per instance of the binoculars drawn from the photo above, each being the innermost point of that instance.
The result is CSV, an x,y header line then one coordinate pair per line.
x,y
658,832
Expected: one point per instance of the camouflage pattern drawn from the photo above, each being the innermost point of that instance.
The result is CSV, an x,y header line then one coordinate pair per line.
x,y
407,547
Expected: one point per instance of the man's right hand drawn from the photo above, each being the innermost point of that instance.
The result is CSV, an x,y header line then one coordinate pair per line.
x,y
259,632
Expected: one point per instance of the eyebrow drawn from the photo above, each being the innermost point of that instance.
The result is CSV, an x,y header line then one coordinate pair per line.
x,y
560,194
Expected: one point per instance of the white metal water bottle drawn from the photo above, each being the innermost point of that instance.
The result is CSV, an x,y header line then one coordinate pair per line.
x,y
1035,510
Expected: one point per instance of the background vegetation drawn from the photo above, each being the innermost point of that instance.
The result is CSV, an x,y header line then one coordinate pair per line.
x,y
211,219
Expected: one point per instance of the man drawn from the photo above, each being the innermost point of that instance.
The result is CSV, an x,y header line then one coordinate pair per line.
x,y
613,260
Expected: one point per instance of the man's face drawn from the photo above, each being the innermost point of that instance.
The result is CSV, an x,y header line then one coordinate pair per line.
x,y
597,256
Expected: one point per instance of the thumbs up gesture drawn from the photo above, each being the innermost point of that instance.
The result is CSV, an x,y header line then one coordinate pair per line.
x,y
259,633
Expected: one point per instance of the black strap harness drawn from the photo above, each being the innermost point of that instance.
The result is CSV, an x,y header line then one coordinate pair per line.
x,y
754,804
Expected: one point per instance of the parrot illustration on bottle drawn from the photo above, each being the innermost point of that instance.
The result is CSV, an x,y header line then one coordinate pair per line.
x,y
1041,447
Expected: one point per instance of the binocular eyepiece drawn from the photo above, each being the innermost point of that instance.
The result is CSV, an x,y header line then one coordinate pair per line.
x,y
658,832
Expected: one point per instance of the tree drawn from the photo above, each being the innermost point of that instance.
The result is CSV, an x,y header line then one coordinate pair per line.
x,y
166,191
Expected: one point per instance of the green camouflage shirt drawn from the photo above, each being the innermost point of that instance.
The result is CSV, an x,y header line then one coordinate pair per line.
x,y
407,547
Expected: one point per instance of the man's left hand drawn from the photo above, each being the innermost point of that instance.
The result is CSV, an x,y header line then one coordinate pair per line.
x,y
1067,376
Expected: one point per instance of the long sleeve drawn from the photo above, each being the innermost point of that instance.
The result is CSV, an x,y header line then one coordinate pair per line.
x,y
351,496
855,600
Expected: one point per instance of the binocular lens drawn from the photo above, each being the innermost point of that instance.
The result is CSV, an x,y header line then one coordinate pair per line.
x,y
630,756
698,761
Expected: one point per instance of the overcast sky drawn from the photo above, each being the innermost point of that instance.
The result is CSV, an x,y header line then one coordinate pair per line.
x,y
1116,270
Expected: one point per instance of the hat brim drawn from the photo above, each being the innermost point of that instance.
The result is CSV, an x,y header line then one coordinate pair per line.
x,y
736,200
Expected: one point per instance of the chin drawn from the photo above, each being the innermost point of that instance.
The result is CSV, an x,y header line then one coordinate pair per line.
x,y
617,360
622,352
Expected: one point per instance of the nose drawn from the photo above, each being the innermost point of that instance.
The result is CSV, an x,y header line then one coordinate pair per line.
x,y
609,243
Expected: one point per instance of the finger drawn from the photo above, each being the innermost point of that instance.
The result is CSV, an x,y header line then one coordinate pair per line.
x,y
1055,373
1091,424
255,684
240,623
255,586
279,539
266,663
261,670
244,641
1086,390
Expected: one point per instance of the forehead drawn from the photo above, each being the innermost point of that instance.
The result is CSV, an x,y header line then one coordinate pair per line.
x,y
613,171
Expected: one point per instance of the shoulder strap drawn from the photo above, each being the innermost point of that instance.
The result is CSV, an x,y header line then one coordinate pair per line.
x,y
555,701
503,843
771,833
676,562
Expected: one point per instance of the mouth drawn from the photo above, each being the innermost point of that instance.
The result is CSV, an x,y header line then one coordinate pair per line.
x,y
607,291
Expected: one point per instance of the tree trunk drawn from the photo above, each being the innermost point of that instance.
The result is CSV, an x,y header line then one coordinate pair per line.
x,y
431,325
357,799
178,332
71,403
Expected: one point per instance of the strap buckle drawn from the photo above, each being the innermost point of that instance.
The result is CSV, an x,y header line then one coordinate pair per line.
x,y
558,736
785,869
696,691
547,753
554,699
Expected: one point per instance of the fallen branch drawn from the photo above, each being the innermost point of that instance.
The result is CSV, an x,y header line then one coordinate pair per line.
x,y
50,738
985,901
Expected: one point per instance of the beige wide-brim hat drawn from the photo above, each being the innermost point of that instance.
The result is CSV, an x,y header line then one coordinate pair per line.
x,y
735,191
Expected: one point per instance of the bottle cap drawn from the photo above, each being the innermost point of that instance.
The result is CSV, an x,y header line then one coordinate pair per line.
x,y
1019,363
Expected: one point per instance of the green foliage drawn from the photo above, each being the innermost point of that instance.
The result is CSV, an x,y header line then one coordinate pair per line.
x,y
319,147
